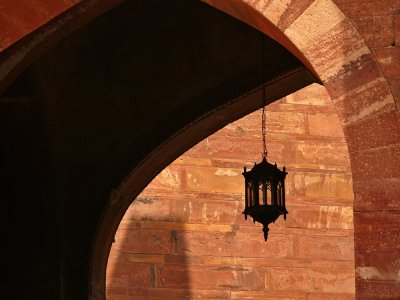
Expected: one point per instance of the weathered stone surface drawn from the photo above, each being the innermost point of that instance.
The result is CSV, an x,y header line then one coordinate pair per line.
x,y
353,75
312,280
377,230
241,243
382,265
377,131
169,178
144,241
307,28
325,125
173,226
175,276
321,153
377,194
397,29
220,180
389,60
198,150
264,262
320,185
285,122
333,247
304,200
122,275
143,209
335,217
270,295
275,10
368,8
341,46
394,84
189,210
329,296
377,31
365,101
377,290
164,293
376,163
292,12
227,147
314,94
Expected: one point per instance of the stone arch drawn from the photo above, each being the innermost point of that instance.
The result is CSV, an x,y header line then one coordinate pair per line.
x,y
326,41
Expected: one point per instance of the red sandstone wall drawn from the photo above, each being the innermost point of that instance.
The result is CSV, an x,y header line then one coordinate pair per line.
x,y
185,235
378,22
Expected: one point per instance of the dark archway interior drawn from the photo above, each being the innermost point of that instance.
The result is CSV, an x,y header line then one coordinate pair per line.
x,y
75,123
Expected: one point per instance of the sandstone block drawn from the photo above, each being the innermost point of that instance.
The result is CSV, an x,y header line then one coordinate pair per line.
x,y
331,296
169,178
123,276
336,50
219,180
237,243
377,231
377,290
333,217
305,30
353,75
147,241
177,276
275,10
377,194
141,293
377,31
292,12
270,295
376,163
363,102
340,248
325,125
376,131
320,184
383,265
312,280
248,149
285,122
313,94
321,153
389,60
356,9
143,208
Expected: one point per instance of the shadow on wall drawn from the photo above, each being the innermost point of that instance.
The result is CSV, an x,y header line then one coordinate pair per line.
x,y
185,237
146,250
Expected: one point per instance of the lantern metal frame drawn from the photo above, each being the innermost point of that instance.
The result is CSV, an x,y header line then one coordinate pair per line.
x,y
265,194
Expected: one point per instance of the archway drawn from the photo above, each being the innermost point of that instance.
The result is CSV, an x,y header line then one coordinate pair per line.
x,y
328,41
188,221
338,54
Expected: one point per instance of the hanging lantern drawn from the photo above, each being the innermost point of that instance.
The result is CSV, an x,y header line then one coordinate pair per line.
x,y
265,194
264,183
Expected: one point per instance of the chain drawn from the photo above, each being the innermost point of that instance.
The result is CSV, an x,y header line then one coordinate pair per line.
x,y
263,119
264,129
